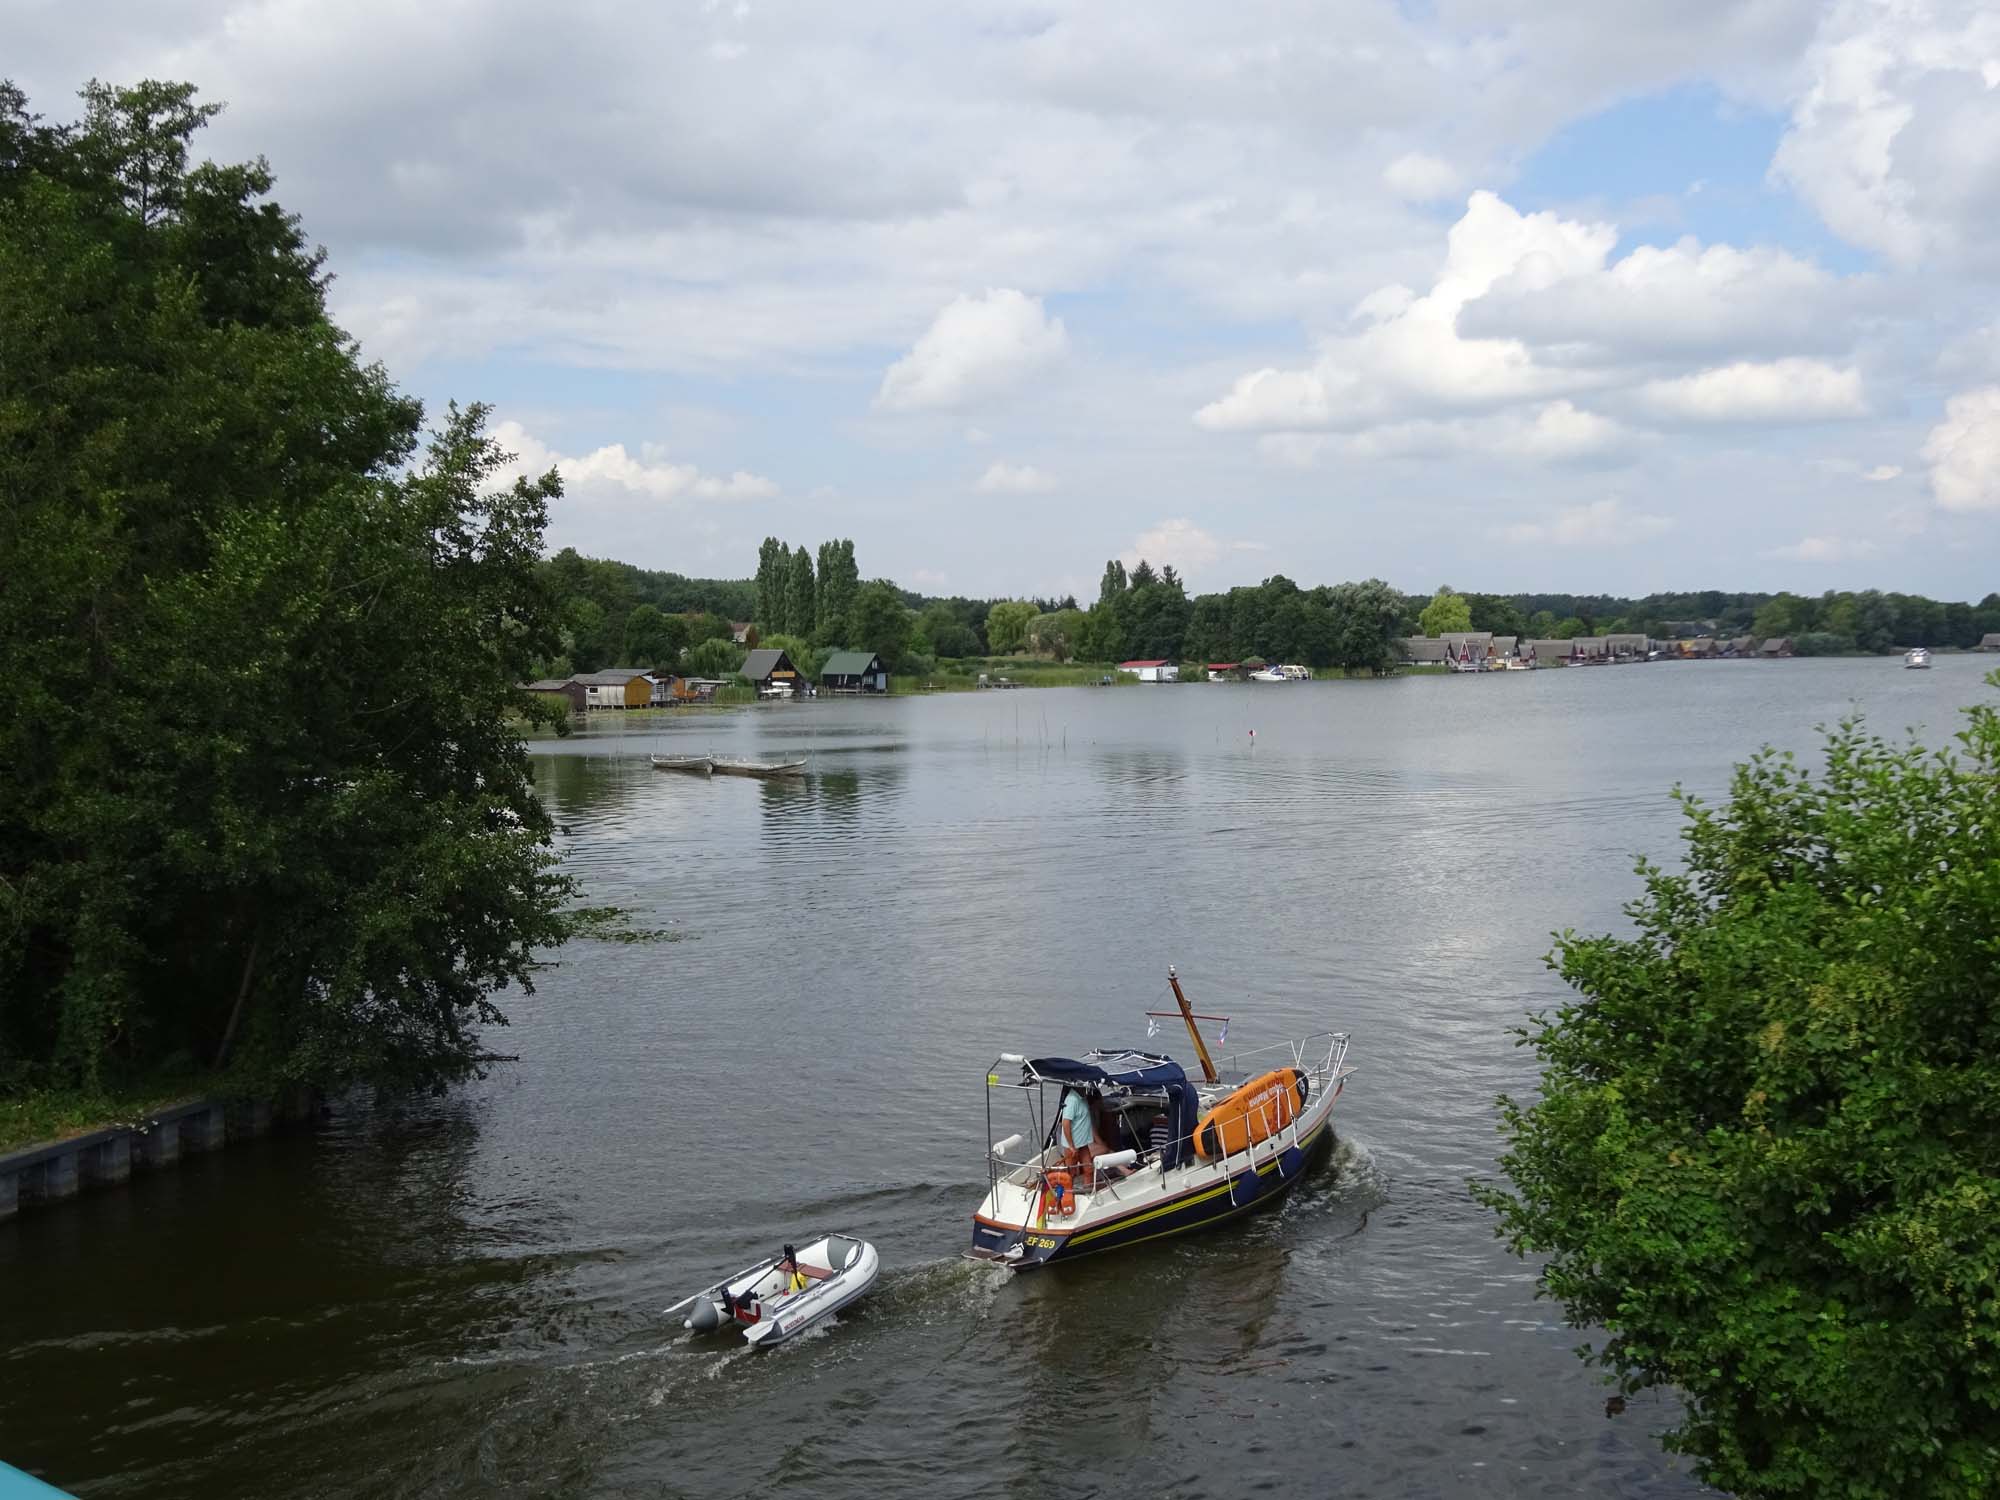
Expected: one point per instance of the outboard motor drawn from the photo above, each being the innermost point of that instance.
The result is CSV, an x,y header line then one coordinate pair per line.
x,y
704,1316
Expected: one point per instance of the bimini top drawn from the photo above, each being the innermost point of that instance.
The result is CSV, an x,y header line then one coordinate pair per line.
x,y
1143,1069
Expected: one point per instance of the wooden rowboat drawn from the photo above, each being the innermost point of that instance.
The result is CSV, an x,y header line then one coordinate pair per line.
x,y
725,767
700,765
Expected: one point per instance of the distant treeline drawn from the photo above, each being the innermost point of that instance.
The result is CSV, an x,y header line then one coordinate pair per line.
x,y
814,602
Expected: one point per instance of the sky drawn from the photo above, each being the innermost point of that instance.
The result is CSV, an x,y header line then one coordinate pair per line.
x,y
1511,294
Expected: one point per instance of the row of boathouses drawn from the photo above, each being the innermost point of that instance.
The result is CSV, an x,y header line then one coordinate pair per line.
x,y
770,672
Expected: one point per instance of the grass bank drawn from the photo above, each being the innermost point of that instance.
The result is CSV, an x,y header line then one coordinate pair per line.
x,y
1023,671
36,1115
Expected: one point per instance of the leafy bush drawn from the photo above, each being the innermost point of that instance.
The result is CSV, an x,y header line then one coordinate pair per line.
x,y
1766,1156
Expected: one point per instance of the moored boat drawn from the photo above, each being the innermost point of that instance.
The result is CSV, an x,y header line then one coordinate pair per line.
x,y
699,765
729,766
1166,1153
1917,656
782,1297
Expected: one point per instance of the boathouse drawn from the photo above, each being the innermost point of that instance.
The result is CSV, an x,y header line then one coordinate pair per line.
x,y
1990,641
615,687
1227,671
1152,670
767,667
1423,649
1777,645
854,672
1548,651
568,689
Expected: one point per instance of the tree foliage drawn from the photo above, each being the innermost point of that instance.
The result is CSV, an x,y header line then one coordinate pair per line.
x,y
1766,1156
259,787
1007,625
1446,611
880,622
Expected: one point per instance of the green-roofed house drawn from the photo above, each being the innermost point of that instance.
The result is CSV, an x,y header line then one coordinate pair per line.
x,y
854,672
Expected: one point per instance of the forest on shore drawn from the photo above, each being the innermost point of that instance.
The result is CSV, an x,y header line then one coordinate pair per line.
x,y
813,601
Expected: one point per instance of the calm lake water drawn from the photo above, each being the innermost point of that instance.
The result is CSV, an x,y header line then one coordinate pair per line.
x,y
463,1296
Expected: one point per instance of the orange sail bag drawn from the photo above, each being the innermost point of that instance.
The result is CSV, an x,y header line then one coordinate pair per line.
x,y
1252,1113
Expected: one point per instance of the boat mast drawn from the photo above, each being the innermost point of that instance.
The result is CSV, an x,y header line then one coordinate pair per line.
x,y
1208,1072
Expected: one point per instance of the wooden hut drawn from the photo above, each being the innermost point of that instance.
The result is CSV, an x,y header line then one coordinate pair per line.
x,y
854,672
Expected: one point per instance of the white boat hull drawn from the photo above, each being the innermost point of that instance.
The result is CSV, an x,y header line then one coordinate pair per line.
x,y
1012,1227
756,1300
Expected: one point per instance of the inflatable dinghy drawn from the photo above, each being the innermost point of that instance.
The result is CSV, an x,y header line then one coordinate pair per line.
x,y
782,1297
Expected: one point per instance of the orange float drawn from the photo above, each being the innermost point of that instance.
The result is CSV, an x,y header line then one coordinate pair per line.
x,y
1251,1114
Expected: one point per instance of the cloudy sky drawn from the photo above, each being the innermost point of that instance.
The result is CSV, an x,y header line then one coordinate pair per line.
x,y
1511,293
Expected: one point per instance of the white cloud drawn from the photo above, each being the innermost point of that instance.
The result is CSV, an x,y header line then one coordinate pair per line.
x,y
976,348
1895,134
1409,358
1184,545
1963,451
1561,432
1784,390
1825,549
1015,479
612,474
1674,300
1601,523
1420,178
1883,473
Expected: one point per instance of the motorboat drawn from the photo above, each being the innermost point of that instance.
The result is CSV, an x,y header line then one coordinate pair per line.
x,y
730,766
699,765
1168,1154
780,1298
1917,656
1270,674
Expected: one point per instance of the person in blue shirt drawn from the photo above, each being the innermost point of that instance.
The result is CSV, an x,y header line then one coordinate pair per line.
x,y
1075,1131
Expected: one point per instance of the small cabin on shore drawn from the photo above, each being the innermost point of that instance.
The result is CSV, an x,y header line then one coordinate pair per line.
x,y
615,687
767,667
854,672
1152,670
1990,641
568,689
1777,645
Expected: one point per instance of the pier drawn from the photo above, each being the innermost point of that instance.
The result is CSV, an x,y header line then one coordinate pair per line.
x,y
55,1170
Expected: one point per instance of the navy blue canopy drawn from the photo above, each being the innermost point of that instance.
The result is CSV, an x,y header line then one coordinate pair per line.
x,y
1134,1070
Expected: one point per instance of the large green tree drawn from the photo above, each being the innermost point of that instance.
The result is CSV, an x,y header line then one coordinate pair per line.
x,y
880,622
1446,611
259,789
1765,1159
801,600
838,581
1007,625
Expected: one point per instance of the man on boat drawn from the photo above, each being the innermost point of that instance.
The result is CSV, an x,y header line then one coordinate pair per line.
x,y
1081,1139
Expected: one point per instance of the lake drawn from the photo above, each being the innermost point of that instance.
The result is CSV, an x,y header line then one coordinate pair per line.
x,y
464,1295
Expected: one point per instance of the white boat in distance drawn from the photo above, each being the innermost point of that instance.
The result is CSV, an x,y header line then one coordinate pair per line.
x,y
1171,1154
782,1297
730,766
1287,673
1916,656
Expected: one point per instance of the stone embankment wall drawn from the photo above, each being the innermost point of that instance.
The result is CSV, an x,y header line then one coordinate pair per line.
x,y
62,1169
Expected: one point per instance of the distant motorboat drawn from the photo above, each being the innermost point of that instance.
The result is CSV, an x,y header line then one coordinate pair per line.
x,y
1917,656
1269,674
699,765
723,766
